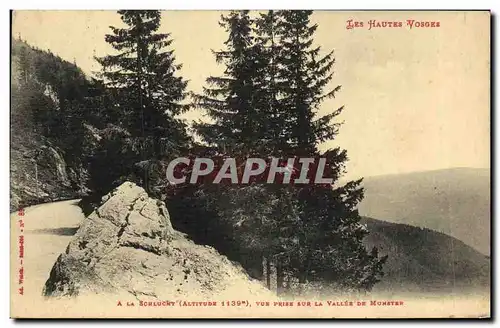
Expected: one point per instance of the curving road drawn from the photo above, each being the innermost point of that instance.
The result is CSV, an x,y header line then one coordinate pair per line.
x,y
48,228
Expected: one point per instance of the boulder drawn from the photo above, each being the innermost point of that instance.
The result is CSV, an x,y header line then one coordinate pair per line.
x,y
128,246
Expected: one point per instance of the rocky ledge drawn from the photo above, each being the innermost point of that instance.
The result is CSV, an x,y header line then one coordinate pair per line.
x,y
128,246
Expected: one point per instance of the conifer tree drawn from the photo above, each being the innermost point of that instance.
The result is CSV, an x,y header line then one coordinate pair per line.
x,y
328,233
230,100
302,78
236,101
269,99
143,96
267,103
143,78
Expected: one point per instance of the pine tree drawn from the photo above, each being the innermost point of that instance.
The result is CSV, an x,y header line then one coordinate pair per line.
x,y
25,66
302,78
237,103
231,99
270,51
143,96
328,233
142,78
266,103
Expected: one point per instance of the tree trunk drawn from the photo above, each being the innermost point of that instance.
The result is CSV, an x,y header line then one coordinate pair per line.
x,y
303,273
279,278
287,283
259,267
139,86
268,273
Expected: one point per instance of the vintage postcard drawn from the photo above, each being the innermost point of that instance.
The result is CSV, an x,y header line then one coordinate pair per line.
x,y
250,164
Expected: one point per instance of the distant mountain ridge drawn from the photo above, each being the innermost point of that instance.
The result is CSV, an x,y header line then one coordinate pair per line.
x,y
423,260
453,201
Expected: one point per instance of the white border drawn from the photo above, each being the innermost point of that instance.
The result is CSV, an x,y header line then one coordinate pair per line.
x,y
494,5
255,4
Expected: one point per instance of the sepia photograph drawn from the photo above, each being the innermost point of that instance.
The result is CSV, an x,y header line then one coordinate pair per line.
x,y
250,164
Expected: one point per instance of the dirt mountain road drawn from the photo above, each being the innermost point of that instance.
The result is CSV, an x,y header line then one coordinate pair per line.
x,y
47,230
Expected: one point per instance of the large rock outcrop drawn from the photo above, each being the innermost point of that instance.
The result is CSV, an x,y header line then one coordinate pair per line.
x,y
128,246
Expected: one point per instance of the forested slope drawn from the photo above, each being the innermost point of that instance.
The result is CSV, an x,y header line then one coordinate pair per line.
x,y
47,95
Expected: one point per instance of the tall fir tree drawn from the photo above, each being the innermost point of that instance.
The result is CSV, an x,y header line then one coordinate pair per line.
x,y
302,78
237,103
230,100
143,79
144,93
328,233
266,103
270,51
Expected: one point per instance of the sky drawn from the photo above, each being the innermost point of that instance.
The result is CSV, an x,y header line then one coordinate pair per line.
x,y
415,98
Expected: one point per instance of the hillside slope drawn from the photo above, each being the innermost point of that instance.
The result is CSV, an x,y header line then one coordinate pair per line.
x,y
454,201
422,260
40,84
